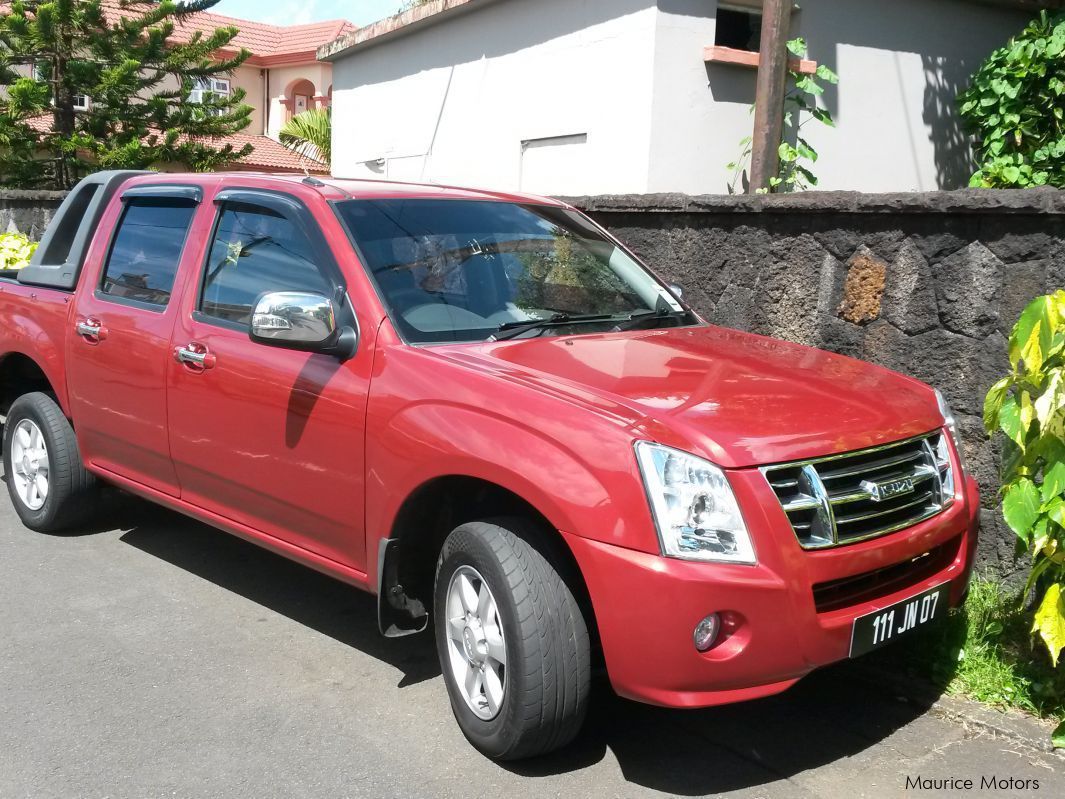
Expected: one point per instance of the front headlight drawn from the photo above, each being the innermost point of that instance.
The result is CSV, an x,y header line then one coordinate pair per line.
x,y
695,511
951,424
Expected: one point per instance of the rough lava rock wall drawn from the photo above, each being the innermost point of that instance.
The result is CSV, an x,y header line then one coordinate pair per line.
x,y
928,284
28,212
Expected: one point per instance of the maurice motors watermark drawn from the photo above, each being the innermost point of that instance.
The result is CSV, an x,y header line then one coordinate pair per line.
x,y
985,782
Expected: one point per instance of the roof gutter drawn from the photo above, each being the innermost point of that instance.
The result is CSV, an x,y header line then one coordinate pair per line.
x,y
410,21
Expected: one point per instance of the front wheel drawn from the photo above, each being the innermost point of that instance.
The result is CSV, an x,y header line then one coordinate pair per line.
x,y
513,644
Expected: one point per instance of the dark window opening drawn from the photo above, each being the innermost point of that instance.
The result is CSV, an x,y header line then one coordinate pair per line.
x,y
146,251
255,251
738,28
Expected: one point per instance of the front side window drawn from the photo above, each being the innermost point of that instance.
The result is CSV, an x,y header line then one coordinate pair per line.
x,y
469,270
254,251
146,251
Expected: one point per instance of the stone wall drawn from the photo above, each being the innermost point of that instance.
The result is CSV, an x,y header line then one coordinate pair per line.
x,y
928,284
28,212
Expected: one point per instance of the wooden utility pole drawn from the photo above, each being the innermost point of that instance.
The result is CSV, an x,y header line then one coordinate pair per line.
x,y
769,97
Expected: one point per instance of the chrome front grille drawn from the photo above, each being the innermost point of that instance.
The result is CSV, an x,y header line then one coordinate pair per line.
x,y
841,499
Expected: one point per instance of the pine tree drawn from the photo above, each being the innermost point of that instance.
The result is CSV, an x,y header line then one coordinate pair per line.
x,y
139,81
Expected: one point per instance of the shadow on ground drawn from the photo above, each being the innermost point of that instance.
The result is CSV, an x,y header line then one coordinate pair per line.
x,y
832,714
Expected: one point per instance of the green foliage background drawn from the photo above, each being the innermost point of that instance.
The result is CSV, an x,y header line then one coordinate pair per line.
x,y
1015,107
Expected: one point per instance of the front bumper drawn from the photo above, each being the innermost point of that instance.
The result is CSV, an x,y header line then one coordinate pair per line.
x,y
646,606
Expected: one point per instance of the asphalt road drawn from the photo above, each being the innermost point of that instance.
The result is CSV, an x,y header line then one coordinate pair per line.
x,y
156,657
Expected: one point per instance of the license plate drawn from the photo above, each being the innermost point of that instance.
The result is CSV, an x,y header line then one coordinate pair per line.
x,y
883,626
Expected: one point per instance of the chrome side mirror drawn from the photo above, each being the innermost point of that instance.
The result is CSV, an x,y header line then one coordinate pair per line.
x,y
677,289
303,321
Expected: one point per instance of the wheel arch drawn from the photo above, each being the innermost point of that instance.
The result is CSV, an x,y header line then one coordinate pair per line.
x,y
20,374
406,560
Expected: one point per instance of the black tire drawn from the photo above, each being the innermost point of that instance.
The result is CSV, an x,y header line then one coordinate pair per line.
x,y
548,670
73,493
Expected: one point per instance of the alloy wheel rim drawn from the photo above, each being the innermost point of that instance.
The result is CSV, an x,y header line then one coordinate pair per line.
x,y
29,464
477,652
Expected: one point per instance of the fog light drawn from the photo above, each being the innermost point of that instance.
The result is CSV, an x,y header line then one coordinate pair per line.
x,y
706,632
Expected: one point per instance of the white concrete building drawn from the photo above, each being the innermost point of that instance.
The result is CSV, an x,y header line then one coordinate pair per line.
x,y
605,96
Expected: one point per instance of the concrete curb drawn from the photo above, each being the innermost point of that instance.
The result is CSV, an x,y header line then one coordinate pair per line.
x,y
1012,725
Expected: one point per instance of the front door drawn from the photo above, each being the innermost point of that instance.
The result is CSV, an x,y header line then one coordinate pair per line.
x,y
117,358
267,437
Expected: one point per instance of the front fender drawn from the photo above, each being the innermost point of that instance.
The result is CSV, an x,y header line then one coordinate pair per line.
x,y
581,483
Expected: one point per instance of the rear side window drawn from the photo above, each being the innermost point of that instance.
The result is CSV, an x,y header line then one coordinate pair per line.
x,y
256,250
146,251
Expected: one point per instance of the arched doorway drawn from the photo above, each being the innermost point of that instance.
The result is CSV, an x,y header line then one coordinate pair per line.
x,y
299,97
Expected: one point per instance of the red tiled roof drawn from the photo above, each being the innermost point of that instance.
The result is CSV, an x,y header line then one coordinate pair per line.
x,y
271,155
267,154
267,43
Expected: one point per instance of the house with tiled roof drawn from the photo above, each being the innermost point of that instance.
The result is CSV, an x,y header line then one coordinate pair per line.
x,y
283,77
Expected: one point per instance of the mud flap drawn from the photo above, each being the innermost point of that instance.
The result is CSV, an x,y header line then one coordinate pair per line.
x,y
397,614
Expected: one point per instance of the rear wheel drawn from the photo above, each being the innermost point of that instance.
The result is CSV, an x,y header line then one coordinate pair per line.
x,y
513,644
48,485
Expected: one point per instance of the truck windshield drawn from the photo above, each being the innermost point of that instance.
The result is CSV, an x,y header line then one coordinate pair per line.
x,y
473,270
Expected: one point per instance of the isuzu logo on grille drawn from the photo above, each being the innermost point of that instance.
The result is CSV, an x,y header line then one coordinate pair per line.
x,y
878,492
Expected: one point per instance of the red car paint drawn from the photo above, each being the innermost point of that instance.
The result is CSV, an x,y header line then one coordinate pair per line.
x,y
313,457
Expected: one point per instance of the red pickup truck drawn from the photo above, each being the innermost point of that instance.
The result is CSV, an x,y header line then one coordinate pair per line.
x,y
483,409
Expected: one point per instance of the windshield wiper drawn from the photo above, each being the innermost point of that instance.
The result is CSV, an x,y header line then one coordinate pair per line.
x,y
640,317
509,330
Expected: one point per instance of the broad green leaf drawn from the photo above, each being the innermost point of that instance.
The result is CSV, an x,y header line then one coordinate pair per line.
x,y
1049,401
1050,621
1055,511
1040,533
1053,482
1033,333
797,47
1020,506
827,75
1009,420
993,403
1027,411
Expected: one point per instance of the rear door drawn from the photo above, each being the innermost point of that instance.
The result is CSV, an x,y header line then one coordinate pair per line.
x,y
119,350
270,438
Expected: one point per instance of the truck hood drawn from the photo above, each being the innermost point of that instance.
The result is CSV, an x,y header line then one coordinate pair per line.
x,y
736,398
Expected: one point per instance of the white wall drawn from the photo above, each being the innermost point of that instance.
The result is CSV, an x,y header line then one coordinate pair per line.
x,y
614,96
456,101
901,63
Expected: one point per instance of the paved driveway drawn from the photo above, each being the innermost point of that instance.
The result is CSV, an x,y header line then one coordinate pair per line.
x,y
157,657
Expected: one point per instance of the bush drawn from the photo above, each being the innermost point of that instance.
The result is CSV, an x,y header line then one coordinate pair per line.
x,y
15,250
1016,109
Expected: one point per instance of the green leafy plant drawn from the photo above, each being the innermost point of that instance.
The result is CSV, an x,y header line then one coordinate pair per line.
x,y
800,108
1028,405
88,85
310,134
1015,108
16,250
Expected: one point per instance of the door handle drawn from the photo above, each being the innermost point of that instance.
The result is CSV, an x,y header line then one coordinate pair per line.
x,y
91,330
195,355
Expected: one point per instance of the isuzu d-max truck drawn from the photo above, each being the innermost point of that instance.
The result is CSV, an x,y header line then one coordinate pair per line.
x,y
483,409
